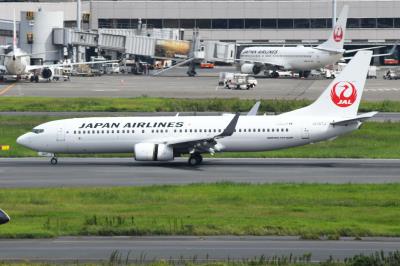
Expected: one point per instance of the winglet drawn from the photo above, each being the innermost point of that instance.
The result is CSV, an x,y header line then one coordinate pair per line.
x,y
228,131
254,109
4,218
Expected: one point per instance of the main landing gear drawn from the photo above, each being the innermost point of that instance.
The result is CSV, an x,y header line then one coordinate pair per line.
x,y
53,161
195,159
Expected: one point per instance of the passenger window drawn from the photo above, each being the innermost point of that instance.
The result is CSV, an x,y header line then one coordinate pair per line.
x,y
180,130
263,130
123,131
117,131
268,130
74,132
240,130
287,130
190,131
272,130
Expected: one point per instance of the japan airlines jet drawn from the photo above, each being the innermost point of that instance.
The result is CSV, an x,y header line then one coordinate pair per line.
x,y
303,59
162,138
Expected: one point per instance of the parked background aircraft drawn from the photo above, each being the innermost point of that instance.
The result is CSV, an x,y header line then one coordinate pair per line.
x,y
303,59
162,138
17,63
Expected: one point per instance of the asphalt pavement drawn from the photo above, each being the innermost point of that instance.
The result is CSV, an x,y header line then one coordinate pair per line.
x,y
37,172
175,84
144,249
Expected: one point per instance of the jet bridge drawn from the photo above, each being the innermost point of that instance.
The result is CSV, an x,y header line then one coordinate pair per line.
x,y
164,43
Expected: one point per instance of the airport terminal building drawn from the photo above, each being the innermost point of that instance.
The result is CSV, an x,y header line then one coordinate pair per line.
x,y
270,22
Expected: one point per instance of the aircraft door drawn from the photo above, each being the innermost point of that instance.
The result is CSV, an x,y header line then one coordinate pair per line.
x,y
60,134
305,134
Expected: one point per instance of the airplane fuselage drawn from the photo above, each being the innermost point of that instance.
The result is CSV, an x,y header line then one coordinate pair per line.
x,y
120,135
290,58
16,62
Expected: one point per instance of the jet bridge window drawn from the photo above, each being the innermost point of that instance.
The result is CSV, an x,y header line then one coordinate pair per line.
x,y
37,130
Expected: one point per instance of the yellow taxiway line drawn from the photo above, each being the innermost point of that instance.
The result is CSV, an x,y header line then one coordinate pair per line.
x,y
6,89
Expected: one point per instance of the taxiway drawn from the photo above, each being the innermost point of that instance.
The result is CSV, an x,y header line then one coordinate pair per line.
x,y
37,172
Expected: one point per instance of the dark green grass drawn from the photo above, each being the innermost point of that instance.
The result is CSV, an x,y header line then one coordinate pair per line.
x,y
373,140
147,104
309,210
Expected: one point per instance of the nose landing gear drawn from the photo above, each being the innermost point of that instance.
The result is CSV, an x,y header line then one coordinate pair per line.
x,y
53,161
195,159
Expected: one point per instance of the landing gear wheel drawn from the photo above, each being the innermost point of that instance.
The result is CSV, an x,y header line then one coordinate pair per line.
x,y
275,75
195,159
53,161
36,78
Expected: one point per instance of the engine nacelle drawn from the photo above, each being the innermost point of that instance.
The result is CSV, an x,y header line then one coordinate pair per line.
x,y
153,152
250,69
46,73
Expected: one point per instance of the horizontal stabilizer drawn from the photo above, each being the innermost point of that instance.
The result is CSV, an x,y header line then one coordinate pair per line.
x,y
359,118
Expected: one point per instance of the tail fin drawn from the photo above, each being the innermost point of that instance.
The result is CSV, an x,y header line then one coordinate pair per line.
x,y
343,95
14,34
336,38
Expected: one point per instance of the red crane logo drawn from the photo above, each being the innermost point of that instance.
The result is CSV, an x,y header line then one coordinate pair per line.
x,y
343,94
338,34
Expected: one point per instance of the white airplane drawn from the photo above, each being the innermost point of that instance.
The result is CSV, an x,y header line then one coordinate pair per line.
x,y
162,138
4,218
17,63
303,59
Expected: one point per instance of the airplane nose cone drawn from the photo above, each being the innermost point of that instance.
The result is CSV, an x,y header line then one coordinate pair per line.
x,y
4,218
23,140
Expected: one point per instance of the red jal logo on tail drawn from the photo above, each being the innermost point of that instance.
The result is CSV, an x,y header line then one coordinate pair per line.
x,y
343,94
338,34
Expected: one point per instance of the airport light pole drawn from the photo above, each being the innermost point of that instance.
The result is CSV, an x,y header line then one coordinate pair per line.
x,y
78,26
333,13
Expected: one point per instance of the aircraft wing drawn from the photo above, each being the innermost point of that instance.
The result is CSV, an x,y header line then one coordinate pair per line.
x,y
202,144
359,118
36,67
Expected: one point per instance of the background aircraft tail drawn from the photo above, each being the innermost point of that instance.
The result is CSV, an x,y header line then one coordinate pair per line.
x,y
336,37
343,95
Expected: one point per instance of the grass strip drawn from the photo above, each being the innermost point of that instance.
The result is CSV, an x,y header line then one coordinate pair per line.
x,y
308,210
149,104
374,140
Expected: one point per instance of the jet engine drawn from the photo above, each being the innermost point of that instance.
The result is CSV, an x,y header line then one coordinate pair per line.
x,y
250,68
153,152
46,73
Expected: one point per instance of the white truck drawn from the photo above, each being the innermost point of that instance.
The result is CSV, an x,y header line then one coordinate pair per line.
x,y
237,81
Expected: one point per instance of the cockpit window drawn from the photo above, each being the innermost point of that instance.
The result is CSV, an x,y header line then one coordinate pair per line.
x,y
37,130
